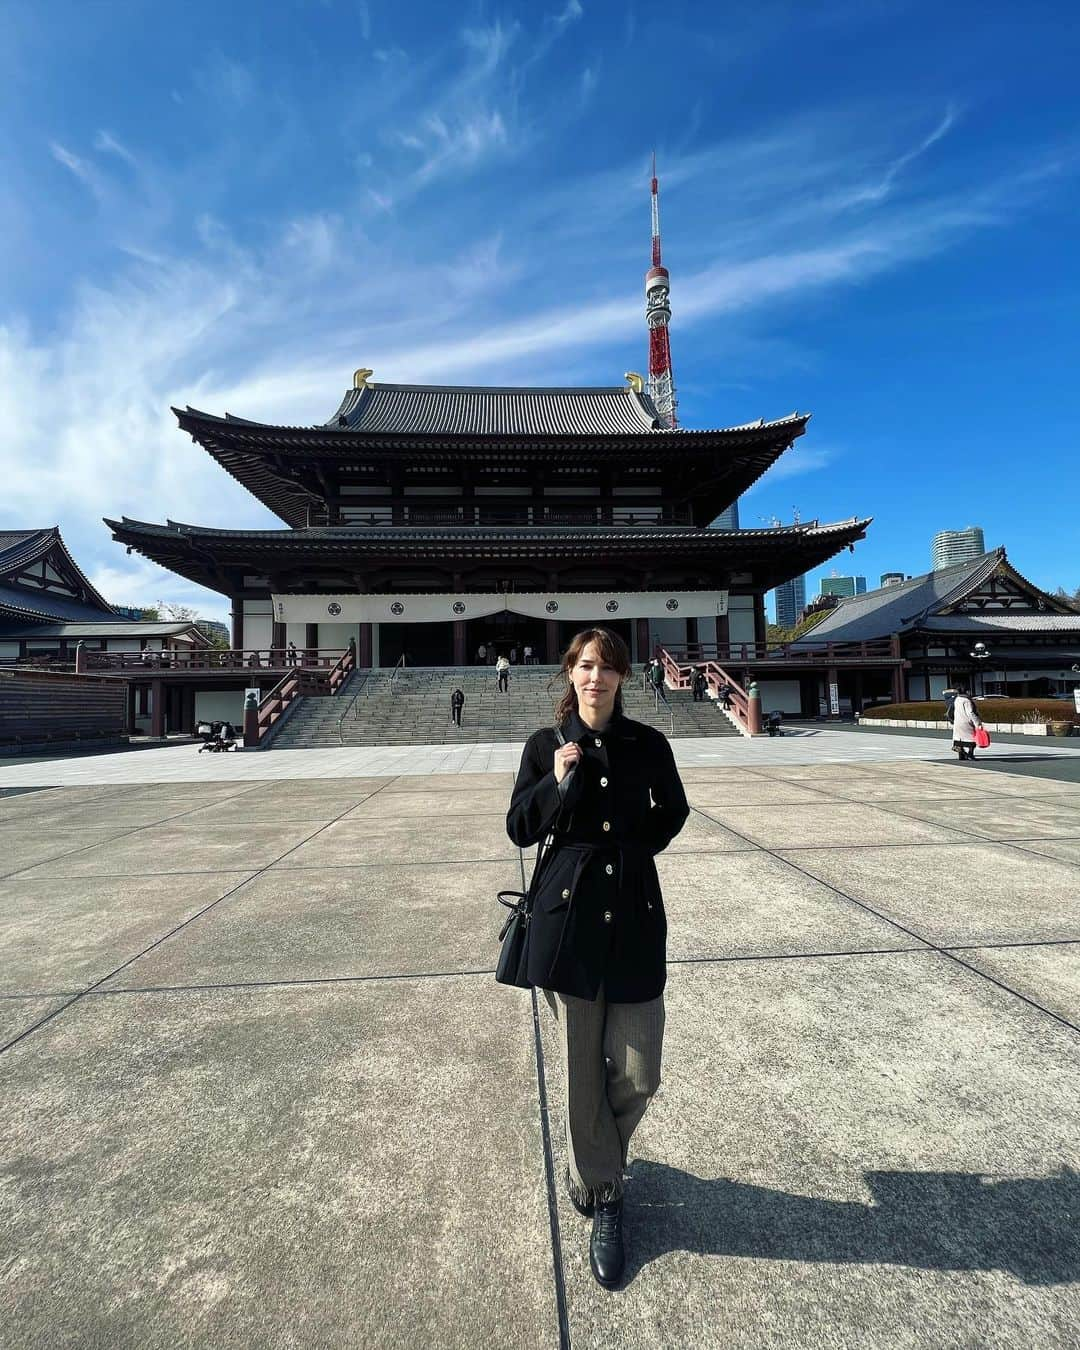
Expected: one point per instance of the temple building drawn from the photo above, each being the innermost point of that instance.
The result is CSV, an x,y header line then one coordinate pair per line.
x,y
979,621
428,522
48,607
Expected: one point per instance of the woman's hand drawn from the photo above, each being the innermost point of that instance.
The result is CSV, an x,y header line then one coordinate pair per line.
x,y
566,758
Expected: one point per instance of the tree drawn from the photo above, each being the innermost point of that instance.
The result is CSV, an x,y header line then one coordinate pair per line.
x,y
170,613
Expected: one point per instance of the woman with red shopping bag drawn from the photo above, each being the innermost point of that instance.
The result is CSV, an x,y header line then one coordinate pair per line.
x,y
966,724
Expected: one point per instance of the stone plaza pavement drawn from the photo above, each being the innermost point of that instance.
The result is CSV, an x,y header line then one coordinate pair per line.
x,y
259,1088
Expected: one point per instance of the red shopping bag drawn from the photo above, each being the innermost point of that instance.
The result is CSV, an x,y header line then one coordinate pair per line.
x,y
982,737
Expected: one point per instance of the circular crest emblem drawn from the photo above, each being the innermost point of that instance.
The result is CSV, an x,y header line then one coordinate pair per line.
x,y
333,607
459,606
673,604
612,606
397,607
552,606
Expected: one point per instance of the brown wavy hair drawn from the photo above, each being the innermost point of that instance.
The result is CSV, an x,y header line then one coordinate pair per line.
x,y
613,650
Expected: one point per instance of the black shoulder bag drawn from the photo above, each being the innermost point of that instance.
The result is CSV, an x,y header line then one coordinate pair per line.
x,y
514,952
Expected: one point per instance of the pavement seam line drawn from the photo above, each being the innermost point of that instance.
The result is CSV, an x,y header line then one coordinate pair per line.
x,y
558,1268
932,946
947,952
164,938
122,834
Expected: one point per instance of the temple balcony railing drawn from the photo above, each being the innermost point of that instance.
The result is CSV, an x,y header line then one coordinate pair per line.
x,y
218,660
884,650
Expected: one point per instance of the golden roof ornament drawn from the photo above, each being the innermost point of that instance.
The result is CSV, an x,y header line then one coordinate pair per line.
x,y
360,378
633,379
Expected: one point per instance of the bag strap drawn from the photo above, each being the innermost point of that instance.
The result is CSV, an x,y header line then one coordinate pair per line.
x,y
545,844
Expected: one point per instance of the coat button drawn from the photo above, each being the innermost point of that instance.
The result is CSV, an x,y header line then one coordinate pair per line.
x,y
566,895
607,915
609,870
603,782
607,825
599,741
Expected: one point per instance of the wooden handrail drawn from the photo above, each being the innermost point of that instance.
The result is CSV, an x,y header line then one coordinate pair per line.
x,y
299,680
681,674
215,659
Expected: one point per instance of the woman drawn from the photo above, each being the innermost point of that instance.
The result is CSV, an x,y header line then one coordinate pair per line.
x,y
965,720
611,799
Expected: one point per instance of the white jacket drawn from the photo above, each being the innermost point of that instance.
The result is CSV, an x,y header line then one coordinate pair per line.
x,y
965,719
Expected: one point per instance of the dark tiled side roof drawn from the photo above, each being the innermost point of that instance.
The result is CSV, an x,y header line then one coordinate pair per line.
x,y
916,604
44,605
174,529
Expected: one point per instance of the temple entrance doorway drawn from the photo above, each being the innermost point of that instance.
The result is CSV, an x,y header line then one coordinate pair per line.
x,y
506,635
422,644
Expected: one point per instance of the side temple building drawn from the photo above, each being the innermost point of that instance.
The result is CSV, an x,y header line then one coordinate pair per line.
x,y
428,521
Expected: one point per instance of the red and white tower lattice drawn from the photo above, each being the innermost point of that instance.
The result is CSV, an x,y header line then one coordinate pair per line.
x,y
657,315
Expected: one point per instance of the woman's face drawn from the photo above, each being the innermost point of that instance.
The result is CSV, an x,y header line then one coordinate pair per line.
x,y
595,682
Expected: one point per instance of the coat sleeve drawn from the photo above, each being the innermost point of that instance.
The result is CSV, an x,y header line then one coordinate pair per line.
x,y
537,798
670,808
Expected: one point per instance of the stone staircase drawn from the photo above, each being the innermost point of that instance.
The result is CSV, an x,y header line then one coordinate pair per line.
x,y
416,711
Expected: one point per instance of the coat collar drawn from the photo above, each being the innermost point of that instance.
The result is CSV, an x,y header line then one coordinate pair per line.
x,y
574,729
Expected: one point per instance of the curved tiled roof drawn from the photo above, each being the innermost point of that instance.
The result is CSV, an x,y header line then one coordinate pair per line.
x,y
469,410
202,554
20,548
918,603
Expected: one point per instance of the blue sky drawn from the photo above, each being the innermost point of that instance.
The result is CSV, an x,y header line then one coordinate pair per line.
x,y
870,212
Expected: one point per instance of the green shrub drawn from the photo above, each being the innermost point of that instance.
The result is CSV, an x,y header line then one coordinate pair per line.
x,y
990,710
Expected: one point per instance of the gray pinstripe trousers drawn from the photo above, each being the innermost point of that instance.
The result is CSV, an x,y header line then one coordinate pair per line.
x,y
612,1054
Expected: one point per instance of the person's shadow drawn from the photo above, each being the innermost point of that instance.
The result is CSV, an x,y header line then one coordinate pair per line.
x,y
936,1220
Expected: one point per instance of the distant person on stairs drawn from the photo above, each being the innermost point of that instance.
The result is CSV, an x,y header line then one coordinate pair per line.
x,y
457,702
656,677
502,670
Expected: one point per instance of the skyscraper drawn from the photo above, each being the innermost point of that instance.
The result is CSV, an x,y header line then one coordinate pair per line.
x,y
957,546
892,578
843,586
727,519
790,602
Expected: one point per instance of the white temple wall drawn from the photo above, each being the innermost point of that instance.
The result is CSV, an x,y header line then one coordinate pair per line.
x,y
258,623
741,618
215,705
338,634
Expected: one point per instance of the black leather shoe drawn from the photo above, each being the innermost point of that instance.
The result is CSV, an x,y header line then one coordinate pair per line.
x,y
606,1254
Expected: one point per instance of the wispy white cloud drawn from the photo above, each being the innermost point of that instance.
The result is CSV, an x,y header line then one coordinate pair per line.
x,y
107,144
570,13
273,330
83,170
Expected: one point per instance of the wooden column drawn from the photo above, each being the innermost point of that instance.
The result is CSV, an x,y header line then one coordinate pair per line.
x,y
277,637
723,638
759,621
188,713
157,707
460,658
691,632
363,656
643,652
237,622
132,695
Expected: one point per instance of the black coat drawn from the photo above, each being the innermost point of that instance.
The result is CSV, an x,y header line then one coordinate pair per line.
x,y
598,915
